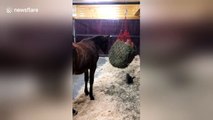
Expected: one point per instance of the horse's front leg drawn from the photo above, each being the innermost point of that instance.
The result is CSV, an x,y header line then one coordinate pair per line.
x,y
92,72
86,81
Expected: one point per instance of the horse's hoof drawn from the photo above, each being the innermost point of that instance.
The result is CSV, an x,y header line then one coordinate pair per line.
x,y
74,112
86,93
92,98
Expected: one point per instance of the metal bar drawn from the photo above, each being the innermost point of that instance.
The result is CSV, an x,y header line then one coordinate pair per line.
x,y
74,33
103,3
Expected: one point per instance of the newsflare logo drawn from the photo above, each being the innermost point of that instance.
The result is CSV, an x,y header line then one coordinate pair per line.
x,y
10,10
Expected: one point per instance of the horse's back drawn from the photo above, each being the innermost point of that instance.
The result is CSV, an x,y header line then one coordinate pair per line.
x,y
86,48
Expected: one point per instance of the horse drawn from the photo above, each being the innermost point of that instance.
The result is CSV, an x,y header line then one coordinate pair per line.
x,y
85,57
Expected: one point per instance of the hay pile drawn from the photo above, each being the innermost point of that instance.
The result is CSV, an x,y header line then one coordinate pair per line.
x,y
114,98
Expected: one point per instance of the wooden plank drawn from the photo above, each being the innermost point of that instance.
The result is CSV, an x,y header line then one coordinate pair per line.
x,y
100,11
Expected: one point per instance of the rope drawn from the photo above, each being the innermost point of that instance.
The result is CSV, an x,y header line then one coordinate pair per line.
x,y
126,19
124,34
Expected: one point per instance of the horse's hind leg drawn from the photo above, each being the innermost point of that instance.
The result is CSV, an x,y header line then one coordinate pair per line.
x,y
92,72
86,81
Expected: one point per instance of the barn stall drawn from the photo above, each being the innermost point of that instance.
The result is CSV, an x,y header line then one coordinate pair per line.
x,y
115,99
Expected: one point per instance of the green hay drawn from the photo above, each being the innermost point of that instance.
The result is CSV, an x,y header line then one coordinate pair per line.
x,y
121,54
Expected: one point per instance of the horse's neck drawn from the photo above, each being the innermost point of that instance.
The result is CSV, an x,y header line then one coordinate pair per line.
x,y
96,44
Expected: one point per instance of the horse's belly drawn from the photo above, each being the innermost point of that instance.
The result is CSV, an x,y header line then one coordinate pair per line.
x,y
79,71
79,68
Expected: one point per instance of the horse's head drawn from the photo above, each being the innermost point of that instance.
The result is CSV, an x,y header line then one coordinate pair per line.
x,y
102,42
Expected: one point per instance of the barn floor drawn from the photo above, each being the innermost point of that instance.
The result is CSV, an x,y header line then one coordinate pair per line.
x,y
114,99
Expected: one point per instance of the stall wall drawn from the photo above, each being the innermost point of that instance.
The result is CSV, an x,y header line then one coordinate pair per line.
x,y
86,28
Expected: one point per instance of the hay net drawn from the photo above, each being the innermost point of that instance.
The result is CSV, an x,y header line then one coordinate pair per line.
x,y
123,50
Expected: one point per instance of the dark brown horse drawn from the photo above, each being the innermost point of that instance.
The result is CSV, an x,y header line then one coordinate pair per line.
x,y
86,54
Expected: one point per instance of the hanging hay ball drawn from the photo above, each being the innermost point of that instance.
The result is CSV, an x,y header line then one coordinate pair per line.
x,y
121,54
